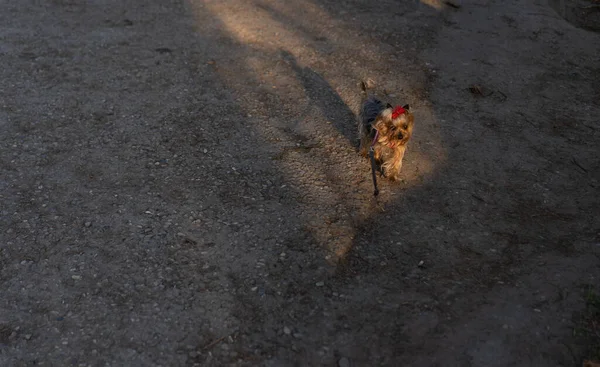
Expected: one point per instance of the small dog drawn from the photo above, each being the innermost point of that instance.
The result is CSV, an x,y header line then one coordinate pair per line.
x,y
385,129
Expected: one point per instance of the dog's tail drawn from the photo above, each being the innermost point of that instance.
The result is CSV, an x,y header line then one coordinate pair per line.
x,y
365,85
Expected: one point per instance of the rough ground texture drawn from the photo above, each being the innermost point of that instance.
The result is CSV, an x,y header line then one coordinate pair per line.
x,y
180,184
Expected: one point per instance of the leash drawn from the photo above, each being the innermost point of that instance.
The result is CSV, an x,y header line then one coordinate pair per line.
x,y
372,156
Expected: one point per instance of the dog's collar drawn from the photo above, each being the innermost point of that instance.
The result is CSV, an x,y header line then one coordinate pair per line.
x,y
397,112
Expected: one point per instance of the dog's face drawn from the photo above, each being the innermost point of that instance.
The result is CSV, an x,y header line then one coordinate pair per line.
x,y
394,126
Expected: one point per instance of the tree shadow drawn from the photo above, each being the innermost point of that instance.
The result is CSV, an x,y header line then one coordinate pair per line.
x,y
322,95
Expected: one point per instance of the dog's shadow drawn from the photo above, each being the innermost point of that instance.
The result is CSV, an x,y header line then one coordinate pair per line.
x,y
324,97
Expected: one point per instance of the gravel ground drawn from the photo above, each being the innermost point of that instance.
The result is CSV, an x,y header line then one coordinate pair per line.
x,y
180,183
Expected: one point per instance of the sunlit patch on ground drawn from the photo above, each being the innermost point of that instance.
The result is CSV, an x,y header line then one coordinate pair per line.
x,y
281,50
436,4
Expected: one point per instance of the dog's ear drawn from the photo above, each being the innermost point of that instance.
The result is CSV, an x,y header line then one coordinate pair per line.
x,y
388,106
406,107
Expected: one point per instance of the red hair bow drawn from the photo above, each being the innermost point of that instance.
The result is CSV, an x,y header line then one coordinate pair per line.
x,y
397,112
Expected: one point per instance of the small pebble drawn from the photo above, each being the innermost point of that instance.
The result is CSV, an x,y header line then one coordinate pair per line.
x,y
88,224
287,331
421,263
344,362
320,284
75,277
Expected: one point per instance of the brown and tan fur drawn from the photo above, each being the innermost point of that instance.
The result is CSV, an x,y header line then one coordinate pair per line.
x,y
393,136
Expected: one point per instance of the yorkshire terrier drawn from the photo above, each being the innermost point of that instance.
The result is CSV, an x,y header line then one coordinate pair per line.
x,y
386,130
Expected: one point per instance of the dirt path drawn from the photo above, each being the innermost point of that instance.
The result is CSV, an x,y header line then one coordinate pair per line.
x,y
180,185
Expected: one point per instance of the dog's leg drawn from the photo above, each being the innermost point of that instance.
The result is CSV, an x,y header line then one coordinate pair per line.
x,y
378,153
393,166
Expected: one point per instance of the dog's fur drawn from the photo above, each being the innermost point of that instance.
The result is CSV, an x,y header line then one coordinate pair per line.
x,y
393,137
